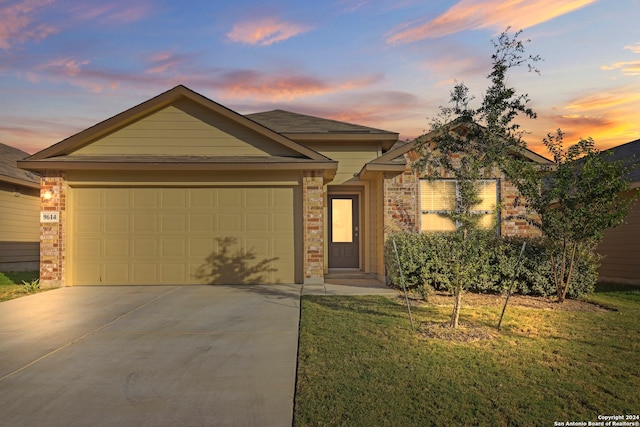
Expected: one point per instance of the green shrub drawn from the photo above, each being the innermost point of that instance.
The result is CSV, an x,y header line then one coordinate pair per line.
x,y
426,263
31,287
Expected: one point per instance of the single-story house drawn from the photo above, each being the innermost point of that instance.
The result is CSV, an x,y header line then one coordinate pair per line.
x,y
19,213
181,189
621,245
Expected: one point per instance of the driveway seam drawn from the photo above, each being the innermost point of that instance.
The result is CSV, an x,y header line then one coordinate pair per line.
x,y
52,352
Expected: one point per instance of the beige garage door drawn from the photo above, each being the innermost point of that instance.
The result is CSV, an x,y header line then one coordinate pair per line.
x,y
181,235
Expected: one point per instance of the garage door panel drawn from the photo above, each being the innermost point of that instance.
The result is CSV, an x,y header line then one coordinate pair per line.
x,y
88,222
257,198
173,248
145,198
229,199
88,272
173,223
201,198
203,222
117,273
116,247
117,198
144,273
169,235
230,223
257,222
117,223
173,198
145,248
282,198
281,222
200,247
145,222
88,249
173,273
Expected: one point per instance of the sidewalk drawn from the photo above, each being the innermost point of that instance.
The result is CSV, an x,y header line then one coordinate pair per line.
x,y
349,287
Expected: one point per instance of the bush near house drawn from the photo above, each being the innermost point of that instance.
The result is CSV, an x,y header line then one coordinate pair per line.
x,y
425,260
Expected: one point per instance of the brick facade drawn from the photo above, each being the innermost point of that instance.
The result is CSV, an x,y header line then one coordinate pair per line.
x,y
52,235
400,202
401,208
510,226
313,227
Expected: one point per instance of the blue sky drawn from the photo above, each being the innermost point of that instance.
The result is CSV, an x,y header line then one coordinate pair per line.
x,y
66,65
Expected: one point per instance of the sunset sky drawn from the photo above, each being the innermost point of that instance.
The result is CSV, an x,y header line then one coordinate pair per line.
x,y
66,65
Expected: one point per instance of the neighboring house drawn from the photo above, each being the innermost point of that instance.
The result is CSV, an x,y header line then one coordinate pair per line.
x,y
621,245
180,190
19,213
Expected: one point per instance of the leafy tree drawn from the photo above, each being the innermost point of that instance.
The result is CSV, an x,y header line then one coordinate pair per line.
x,y
469,144
575,202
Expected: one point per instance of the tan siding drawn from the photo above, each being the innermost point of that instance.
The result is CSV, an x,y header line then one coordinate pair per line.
x,y
19,252
184,129
621,249
351,157
19,217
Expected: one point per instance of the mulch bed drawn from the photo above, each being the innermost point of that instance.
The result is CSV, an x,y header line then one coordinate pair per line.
x,y
470,332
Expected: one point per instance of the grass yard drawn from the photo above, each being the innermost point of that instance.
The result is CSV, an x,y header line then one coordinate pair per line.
x,y
360,364
11,283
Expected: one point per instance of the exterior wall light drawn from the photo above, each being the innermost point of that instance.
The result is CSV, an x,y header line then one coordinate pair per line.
x,y
47,195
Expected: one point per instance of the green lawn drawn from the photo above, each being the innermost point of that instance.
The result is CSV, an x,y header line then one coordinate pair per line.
x,y
11,283
360,365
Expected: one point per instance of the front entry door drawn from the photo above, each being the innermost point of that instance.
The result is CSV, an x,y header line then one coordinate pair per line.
x,y
344,232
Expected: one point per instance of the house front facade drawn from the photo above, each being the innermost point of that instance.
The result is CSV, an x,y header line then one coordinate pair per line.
x,y
182,190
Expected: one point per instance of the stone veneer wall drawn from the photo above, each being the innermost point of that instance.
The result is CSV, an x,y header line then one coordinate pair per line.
x,y
401,208
400,202
513,227
52,235
313,227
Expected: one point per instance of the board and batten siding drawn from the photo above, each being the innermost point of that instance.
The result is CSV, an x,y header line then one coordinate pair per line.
x,y
621,250
19,228
185,129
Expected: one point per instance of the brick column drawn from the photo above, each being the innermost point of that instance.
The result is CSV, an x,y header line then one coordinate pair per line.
x,y
512,225
52,234
313,227
400,202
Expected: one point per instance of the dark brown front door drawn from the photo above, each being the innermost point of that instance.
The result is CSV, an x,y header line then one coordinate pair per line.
x,y
344,232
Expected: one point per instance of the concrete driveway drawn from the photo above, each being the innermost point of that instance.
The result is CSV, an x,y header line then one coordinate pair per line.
x,y
150,356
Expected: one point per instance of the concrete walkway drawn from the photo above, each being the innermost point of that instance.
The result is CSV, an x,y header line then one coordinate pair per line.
x,y
349,287
150,356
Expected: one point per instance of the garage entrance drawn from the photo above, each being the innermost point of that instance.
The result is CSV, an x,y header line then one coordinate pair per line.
x,y
143,235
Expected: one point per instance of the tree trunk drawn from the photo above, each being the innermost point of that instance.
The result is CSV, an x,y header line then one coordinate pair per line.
x,y
456,308
567,283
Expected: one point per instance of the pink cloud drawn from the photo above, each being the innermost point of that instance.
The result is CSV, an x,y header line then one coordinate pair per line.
x,y
265,31
240,84
17,23
628,68
119,12
634,48
477,14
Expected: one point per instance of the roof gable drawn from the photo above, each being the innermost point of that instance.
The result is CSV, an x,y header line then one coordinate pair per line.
x,y
197,113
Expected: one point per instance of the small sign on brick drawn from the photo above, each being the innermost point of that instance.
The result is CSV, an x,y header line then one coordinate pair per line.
x,y
49,216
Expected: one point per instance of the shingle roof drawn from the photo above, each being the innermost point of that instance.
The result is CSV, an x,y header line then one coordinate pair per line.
x,y
628,152
9,170
287,122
